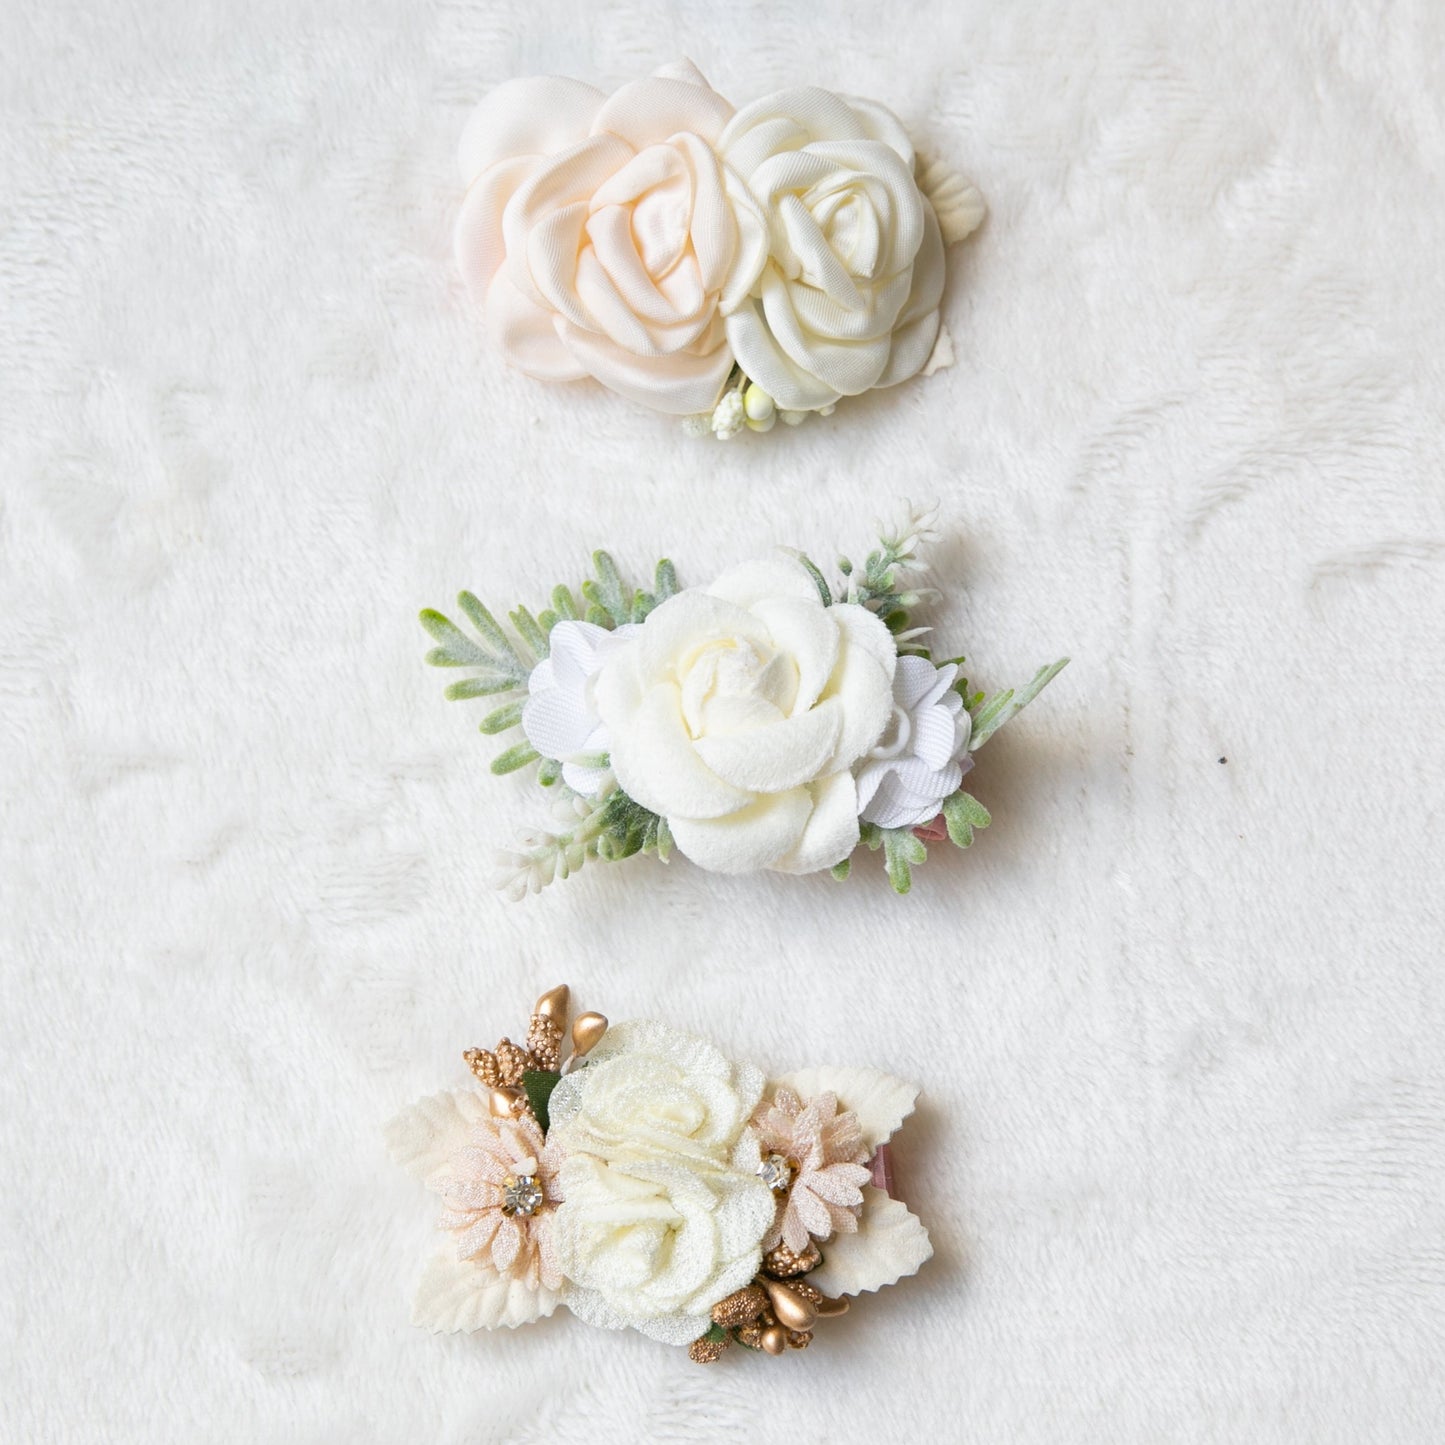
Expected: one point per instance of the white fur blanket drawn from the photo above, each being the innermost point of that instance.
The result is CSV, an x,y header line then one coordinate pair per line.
x,y
1178,1015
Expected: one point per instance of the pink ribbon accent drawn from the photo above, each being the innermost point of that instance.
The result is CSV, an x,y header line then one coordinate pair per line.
x,y
882,1166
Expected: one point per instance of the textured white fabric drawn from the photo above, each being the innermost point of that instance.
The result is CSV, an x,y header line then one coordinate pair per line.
x,y
738,710
1177,1021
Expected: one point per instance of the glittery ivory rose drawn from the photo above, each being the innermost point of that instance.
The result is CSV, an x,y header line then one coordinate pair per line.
x,y
664,1212
603,234
848,298
738,712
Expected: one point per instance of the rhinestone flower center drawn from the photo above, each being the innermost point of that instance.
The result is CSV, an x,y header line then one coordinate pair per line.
x,y
776,1172
521,1195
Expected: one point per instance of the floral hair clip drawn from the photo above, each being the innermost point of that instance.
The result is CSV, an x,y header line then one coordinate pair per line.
x,y
768,720
731,267
648,1181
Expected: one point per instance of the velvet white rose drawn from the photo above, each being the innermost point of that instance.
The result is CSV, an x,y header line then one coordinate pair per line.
x,y
603,234
664,1213
921,758
738,712
849,296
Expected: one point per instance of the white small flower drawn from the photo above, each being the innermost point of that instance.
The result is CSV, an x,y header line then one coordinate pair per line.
x,y
730,417
921,758
558,718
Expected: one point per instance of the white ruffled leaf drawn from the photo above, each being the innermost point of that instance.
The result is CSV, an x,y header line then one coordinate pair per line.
x,y
890,1244
880,1101
467,1294
422,1138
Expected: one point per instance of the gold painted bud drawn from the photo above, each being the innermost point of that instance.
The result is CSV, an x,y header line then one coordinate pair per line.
x,y
587,1031
789,1306
553,1003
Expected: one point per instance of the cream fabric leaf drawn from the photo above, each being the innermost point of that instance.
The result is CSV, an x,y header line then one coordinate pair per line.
x,y
422,1138
881,1101
889,1244
462,1295
958,203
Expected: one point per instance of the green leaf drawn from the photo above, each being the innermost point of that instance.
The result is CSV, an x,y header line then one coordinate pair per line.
x,y
488,628
457,649
1003,706
664,840
664,582
841,870
538,1085
606,592
470,687
715,1332
901,852
963,813
530,632
548,771
825,592
502,718
564,603
514,758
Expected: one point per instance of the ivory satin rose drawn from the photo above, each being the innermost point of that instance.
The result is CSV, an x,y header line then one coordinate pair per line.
x,y
738,711
664,1213
848,298
605,237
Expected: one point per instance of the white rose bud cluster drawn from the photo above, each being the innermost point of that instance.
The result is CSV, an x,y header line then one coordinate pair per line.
x,y
658,241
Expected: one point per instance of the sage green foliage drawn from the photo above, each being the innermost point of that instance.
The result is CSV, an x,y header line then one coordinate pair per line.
x,y
500,662
538,1084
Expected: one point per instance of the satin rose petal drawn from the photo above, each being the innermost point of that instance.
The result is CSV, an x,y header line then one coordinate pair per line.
x,y
526,335
847,367
477,238
831,832
752,838
681,384
537,115
653,109
760,356
881,124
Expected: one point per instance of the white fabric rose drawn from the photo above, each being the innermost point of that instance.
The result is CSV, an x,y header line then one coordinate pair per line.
x,y
664,1213
738,712
602,234
920,759
558,718
849,296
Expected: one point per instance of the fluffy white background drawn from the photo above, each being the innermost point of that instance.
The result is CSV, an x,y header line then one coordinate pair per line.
x,y
1178,1019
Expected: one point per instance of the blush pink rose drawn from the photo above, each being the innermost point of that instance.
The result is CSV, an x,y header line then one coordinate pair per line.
x,y
604,237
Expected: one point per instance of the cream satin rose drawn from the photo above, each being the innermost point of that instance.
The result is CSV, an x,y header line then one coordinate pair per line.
x,y
605,237
738,711
848,298
664,1212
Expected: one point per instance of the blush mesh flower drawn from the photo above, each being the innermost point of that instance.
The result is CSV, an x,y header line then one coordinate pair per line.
x,y
496,1216
826,1153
